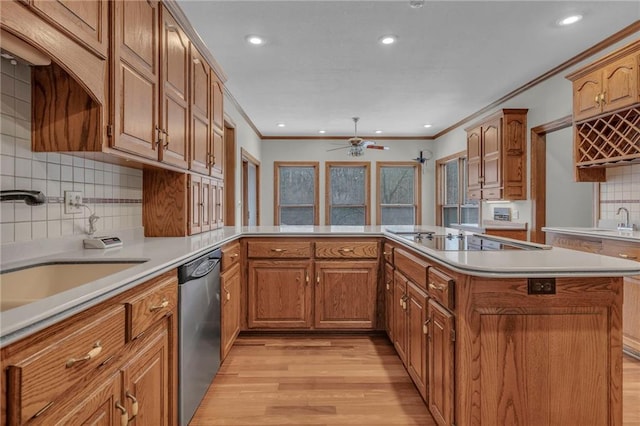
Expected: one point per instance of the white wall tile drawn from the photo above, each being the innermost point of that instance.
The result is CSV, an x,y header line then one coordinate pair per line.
x,y
6,212
39,230
38,169
23,231
7,125
7,144
7,165
7,233
54,229
23,167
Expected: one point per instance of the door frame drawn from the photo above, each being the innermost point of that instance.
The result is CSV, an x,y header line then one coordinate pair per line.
x,y
246,159
229,171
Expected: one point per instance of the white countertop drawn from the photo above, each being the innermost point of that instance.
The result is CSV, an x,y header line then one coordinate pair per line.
x,y
163,254
611,234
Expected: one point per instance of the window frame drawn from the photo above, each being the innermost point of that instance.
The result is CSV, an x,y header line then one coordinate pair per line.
x,y
367,189
417,188
276,189
460,157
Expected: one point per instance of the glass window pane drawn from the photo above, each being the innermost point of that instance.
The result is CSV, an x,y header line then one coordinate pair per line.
x,y
297,185
398,215
397,185
451,182
469,214
296,216
347,215
347,186
449,215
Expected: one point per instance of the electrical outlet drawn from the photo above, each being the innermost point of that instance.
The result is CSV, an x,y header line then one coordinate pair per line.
x,y
515,214
72,202
541,286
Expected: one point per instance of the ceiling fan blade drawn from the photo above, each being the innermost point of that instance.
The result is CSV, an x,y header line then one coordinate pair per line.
x,y
367,144
342,147
381,147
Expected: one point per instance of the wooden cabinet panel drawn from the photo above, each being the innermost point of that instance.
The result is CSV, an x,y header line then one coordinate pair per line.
x,y
631,315
441,366
230,256
217,155
218,207
412,267
200,114
149,307
217,99
86,21
345,294
620,84
38,380
442,288
208,205
146,382
387,252
175,93
400,315
135,89
622,249
196,204
347,249
417,338
474,162
586,92
279,294
279,249
230,327
492,150
388,299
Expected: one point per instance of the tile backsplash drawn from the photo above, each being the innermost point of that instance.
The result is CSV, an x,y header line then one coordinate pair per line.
x,y
622,189
112,192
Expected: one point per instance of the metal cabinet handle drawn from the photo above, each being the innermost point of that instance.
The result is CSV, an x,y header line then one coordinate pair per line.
x,y
134,404
306,278
124,417
432,286
627,256
346,250
388,287
603,99
234,255
43,409
97,348
318,279
162,305
597,100
228,297
196,61
166,143
425,326
278,250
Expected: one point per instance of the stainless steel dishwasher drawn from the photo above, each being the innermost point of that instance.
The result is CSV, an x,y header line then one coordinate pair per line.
x,y
198,330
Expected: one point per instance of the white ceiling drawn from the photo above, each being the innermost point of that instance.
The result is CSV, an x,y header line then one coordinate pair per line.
x,y
322,63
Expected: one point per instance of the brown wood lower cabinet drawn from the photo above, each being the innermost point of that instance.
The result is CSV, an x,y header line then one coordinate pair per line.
x,y
388,299
417,337
441,329
345,294
400,315
279,293
83,376
230,299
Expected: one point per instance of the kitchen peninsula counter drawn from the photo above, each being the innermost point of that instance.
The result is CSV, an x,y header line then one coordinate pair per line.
x,y
163,254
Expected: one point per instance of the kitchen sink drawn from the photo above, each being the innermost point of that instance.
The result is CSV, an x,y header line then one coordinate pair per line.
x,y
25,285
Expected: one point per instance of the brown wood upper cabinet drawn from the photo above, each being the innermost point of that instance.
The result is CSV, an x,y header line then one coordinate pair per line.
x,y
200,114
496,157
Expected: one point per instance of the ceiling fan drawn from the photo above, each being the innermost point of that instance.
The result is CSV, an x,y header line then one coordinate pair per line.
x,y
357,145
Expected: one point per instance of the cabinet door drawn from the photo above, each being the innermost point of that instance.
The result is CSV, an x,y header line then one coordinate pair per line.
x,y
217,159
200,114
631,315
417,338
86,21
388,299
441,357
218,207
135,77
474,163
208,205
279,294
400,315
620,84
96,405
345,294
217,96
230,282
146,383
491,154
175,93
195,203
586,93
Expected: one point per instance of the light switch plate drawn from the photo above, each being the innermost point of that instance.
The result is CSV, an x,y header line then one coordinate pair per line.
x,y
72,201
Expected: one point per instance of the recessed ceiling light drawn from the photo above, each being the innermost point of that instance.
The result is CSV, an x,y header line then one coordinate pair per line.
x,y
281,124
416,4
378,132
255,40
570,20
388,39
426,126
322,132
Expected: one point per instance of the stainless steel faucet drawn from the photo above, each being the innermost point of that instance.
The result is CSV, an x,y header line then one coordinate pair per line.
x,y
32,198
625,226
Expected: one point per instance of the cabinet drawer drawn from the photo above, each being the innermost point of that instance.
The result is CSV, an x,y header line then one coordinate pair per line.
x,y
279,249
492,194
412,267
442,288
387,252
148,307
230,256
347,249
573,242
622,249
37,381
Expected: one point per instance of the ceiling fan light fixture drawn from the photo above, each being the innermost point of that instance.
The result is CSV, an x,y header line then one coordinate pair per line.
x,y
355,151
388,39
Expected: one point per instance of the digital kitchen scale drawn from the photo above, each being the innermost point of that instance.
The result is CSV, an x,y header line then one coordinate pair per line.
x,y
102,242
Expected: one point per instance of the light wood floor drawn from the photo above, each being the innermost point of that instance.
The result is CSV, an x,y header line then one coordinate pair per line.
x,y
343,380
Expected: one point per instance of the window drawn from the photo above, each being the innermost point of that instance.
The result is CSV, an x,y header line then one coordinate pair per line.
x,y
296,193
398,193
454,206
347,192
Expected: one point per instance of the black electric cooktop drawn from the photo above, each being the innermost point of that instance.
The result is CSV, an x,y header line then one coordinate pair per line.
x,y
460,242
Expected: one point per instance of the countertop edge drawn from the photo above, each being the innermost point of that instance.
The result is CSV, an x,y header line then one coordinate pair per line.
x,y
613,234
